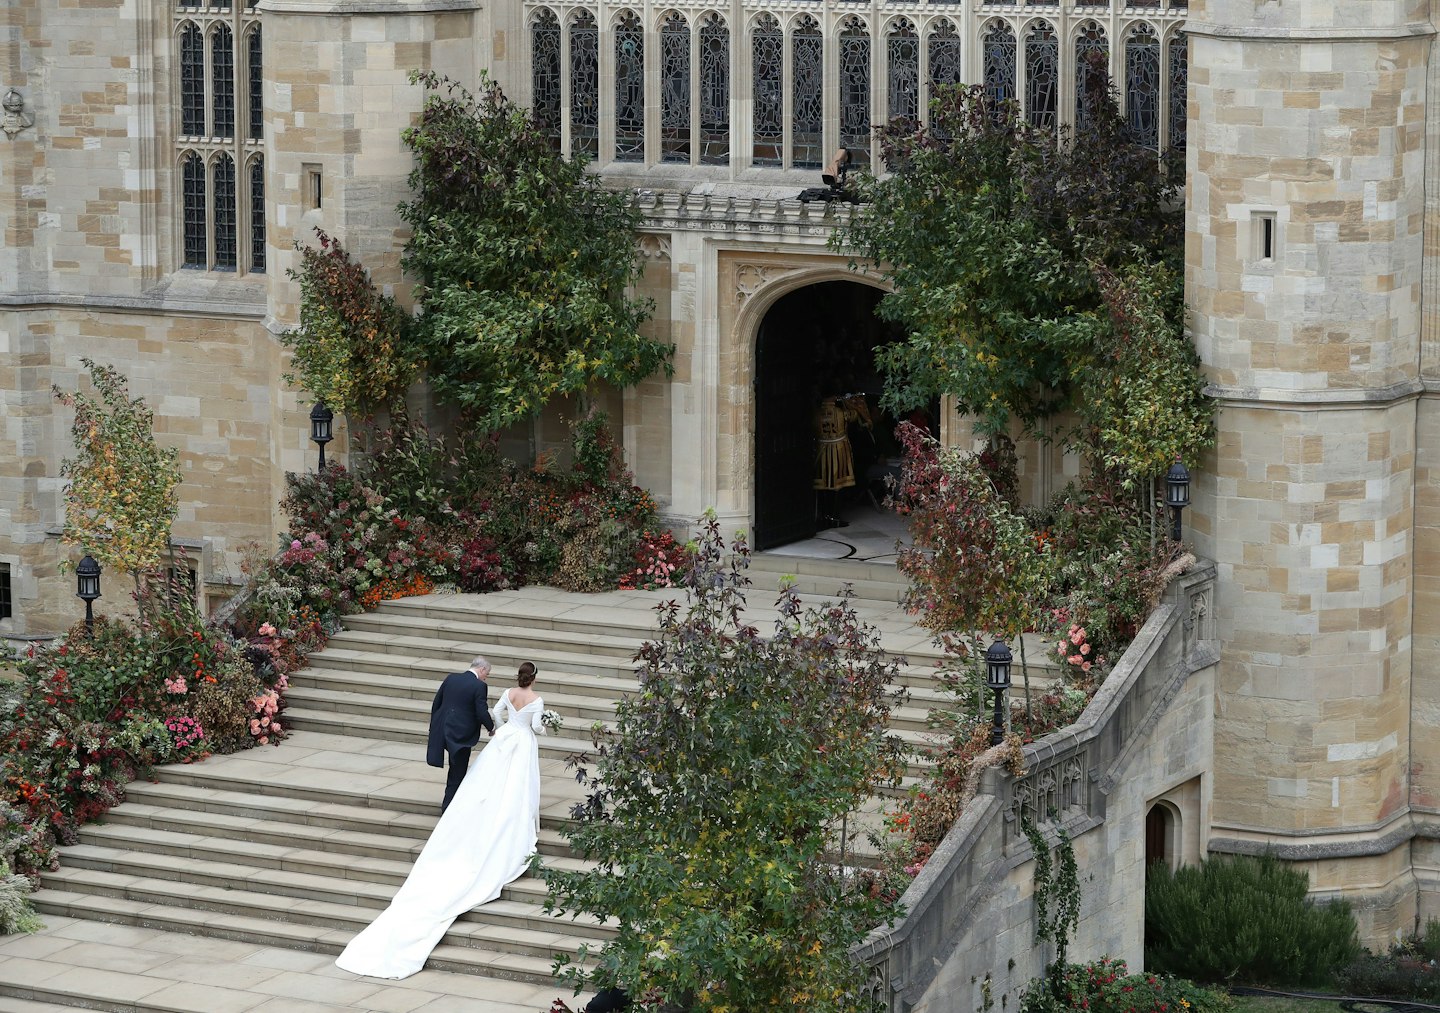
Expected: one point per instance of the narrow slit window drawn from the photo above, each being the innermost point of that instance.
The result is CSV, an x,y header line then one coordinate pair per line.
x,y
1266,235
7,605
313,197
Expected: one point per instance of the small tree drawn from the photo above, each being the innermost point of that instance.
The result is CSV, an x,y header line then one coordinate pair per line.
x,y
121,496
525,261
352,348
717,796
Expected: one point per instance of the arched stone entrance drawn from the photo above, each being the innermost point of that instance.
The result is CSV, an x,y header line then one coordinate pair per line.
x,y
814,344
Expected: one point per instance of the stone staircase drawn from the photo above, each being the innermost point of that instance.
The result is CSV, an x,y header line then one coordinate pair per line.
x,y
301,845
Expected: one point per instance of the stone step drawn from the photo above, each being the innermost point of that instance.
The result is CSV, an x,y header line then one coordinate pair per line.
x,y
461,635
14,1004
836,569
455,952
519,909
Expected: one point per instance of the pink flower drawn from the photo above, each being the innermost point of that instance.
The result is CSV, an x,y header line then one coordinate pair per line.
x,y
1085,667
1077,636
1074,659
267,630
275,727
1084,648
295,544
264,741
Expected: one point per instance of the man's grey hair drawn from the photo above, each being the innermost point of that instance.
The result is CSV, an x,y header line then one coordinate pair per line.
x,y
480,664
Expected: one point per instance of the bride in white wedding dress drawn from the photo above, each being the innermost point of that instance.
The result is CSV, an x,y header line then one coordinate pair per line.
x,y
482,842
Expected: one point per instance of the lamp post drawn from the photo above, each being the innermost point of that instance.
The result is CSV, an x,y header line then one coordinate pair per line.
x,y
320,419
87,589
997,677
1177,495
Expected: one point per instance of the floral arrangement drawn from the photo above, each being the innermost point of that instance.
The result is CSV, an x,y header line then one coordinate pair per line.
x,y
660,561
185,732
1079,662
1107,986
552,721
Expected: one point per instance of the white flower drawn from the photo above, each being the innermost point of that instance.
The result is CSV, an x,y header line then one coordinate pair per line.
x,y
551,720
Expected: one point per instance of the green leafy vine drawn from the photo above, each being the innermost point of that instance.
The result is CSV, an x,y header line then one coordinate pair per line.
x,y
1057,892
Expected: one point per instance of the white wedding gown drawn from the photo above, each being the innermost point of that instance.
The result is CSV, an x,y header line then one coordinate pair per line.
x,y
482,842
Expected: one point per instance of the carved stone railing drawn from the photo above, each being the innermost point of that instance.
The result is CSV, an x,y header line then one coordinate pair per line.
x,y
1068,776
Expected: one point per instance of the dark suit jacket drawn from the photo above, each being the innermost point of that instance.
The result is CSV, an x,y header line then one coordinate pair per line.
x,y
461,707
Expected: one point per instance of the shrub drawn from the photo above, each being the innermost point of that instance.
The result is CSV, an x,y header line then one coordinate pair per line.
x,y
1107,986
1244,920
1390,977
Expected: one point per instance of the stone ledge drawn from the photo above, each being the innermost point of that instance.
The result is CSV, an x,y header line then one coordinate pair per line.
x,y
1359,842
213,309
1267,33
1320,400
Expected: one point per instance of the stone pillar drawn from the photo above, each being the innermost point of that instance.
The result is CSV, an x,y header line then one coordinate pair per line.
x,y
1303,255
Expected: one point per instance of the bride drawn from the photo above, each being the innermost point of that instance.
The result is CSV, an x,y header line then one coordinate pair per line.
x,y
483,841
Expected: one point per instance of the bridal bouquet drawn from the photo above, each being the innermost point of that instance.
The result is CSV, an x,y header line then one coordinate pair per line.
x,y
551,720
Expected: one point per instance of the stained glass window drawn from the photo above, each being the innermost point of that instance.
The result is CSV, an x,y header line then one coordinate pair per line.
x,y
224,213
999,62
767,56
584,85
1142,85
1042,76
196,246
257,86
545,82
807,53
944,54
629,89
855,90
714,91
1092,75
1179,79
192,82
675,89
257,215
222,69
903,71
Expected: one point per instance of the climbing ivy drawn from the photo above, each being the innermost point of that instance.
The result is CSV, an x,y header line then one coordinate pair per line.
x,y
1057,893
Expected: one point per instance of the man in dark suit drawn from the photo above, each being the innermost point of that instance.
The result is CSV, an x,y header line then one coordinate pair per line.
x,y
460,710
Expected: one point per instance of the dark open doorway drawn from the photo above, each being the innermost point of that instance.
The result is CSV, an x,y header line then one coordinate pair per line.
x,y
817,346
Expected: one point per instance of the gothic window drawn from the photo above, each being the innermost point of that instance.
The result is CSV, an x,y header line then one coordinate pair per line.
x,y
219,58
903,72
714,91
807,52
257,215
197,253
222,72
999,62
257,81
1142,85
944,55
767,56
629,89
545,84
855,90
224,191
1042,76
192,82
675,89
1179,79
1092,75
584,86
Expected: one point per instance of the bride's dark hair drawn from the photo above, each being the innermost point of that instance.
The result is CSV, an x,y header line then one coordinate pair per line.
x,y
525,675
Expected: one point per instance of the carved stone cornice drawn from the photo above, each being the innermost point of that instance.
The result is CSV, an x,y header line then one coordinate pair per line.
x,y
674,211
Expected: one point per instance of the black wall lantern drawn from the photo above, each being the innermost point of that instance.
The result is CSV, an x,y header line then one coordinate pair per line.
x,y
87,588
1177,495
320,431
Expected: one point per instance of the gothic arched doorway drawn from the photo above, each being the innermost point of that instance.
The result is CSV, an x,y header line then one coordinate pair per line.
x,y
814,344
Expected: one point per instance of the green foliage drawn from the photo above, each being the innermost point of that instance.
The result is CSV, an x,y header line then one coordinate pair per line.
x,y
1243,920
121,494
16,914
1393,976
352,349
1057,893
715,798
1107,986
1035,275
524,260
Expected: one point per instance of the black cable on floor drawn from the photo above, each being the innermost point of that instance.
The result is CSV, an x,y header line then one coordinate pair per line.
x,y
1350,1003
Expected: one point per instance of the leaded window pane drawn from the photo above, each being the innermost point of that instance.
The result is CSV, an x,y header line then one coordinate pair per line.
x,y
1142,85
855,90
1179,5
903,72
807,53
545,79
714,91
944,55
767,56
1179,89
999,62
222,70
257,85
675,89
257,216
192,82
584,86
629,89
193,199
1042,76
1092,75
224,213
186,5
